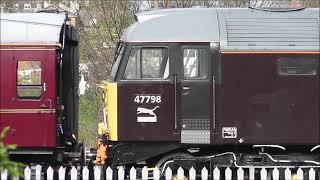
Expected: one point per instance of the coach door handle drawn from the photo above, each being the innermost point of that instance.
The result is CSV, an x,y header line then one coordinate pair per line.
x,y
50,104
43,106
185,90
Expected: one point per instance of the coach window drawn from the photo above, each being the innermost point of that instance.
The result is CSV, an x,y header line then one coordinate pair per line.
x,y
147,63
29,84
195,63
297,67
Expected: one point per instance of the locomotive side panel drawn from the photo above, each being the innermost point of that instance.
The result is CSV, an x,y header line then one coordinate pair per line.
x,y
269,99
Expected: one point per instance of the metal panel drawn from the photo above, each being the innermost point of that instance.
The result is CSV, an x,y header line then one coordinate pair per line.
x,y
272,31
280,39
174,25
275,35
221,24
278,35
275,23
195,136
195,131
275,44
242,29
196,124
271,20
300,29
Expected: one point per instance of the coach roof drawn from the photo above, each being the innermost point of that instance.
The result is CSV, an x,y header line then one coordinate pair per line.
x,y
234,28
31,28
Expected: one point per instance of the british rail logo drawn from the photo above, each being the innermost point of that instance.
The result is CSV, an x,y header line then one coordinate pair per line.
x,y
146,115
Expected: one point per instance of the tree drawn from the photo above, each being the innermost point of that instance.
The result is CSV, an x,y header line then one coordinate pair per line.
x,y
8,3
101,24
13,168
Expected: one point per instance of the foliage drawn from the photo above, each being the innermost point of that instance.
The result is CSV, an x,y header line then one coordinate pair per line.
x,y
57,2
101,24
14,168
8,3
91,106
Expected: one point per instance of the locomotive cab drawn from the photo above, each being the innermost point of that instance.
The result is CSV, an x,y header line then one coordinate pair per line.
x,y
163,88
228,87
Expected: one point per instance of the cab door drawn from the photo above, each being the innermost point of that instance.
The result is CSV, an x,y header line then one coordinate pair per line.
x,y
146,95
196,96
30,110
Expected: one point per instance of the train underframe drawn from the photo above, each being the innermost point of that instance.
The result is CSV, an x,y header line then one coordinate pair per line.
x,y
69,155
249,157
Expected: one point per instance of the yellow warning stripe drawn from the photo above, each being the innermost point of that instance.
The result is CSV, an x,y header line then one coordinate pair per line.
x,y
112,110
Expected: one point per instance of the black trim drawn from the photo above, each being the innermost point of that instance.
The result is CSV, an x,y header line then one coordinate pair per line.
x,y
133,152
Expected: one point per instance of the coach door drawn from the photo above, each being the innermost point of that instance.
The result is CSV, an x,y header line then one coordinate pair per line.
x,y
195,95
33,106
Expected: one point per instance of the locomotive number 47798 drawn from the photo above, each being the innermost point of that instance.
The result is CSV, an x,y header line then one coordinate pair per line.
x,y
139,99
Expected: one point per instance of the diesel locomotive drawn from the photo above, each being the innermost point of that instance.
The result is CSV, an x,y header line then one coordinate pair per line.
x,y
215,86
39,86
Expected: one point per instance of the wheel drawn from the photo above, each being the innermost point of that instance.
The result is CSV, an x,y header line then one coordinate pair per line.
x,y
80,149
167,161
83,157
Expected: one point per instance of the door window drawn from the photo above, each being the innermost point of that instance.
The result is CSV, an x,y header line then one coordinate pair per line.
x,y
29,84
195,63
147,63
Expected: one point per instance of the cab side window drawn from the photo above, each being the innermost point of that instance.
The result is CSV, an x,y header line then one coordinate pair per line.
x,y
29,84
195,63
147,63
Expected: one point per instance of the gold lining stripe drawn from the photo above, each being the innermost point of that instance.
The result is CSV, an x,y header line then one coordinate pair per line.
x,y
28,49
270,52
27,110
32,45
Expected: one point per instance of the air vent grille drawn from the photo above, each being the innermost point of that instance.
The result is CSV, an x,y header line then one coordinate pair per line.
x,y
273,32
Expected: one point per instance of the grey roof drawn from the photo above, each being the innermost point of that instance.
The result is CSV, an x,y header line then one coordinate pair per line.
x,y
234,28
31,28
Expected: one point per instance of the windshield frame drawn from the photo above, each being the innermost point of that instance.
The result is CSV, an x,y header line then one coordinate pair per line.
x,y
117,59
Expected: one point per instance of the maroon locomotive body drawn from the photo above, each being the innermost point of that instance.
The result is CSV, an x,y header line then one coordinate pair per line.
x,y
39,75
229,87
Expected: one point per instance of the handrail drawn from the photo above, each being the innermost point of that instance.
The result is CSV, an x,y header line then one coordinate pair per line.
x,y
277,9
